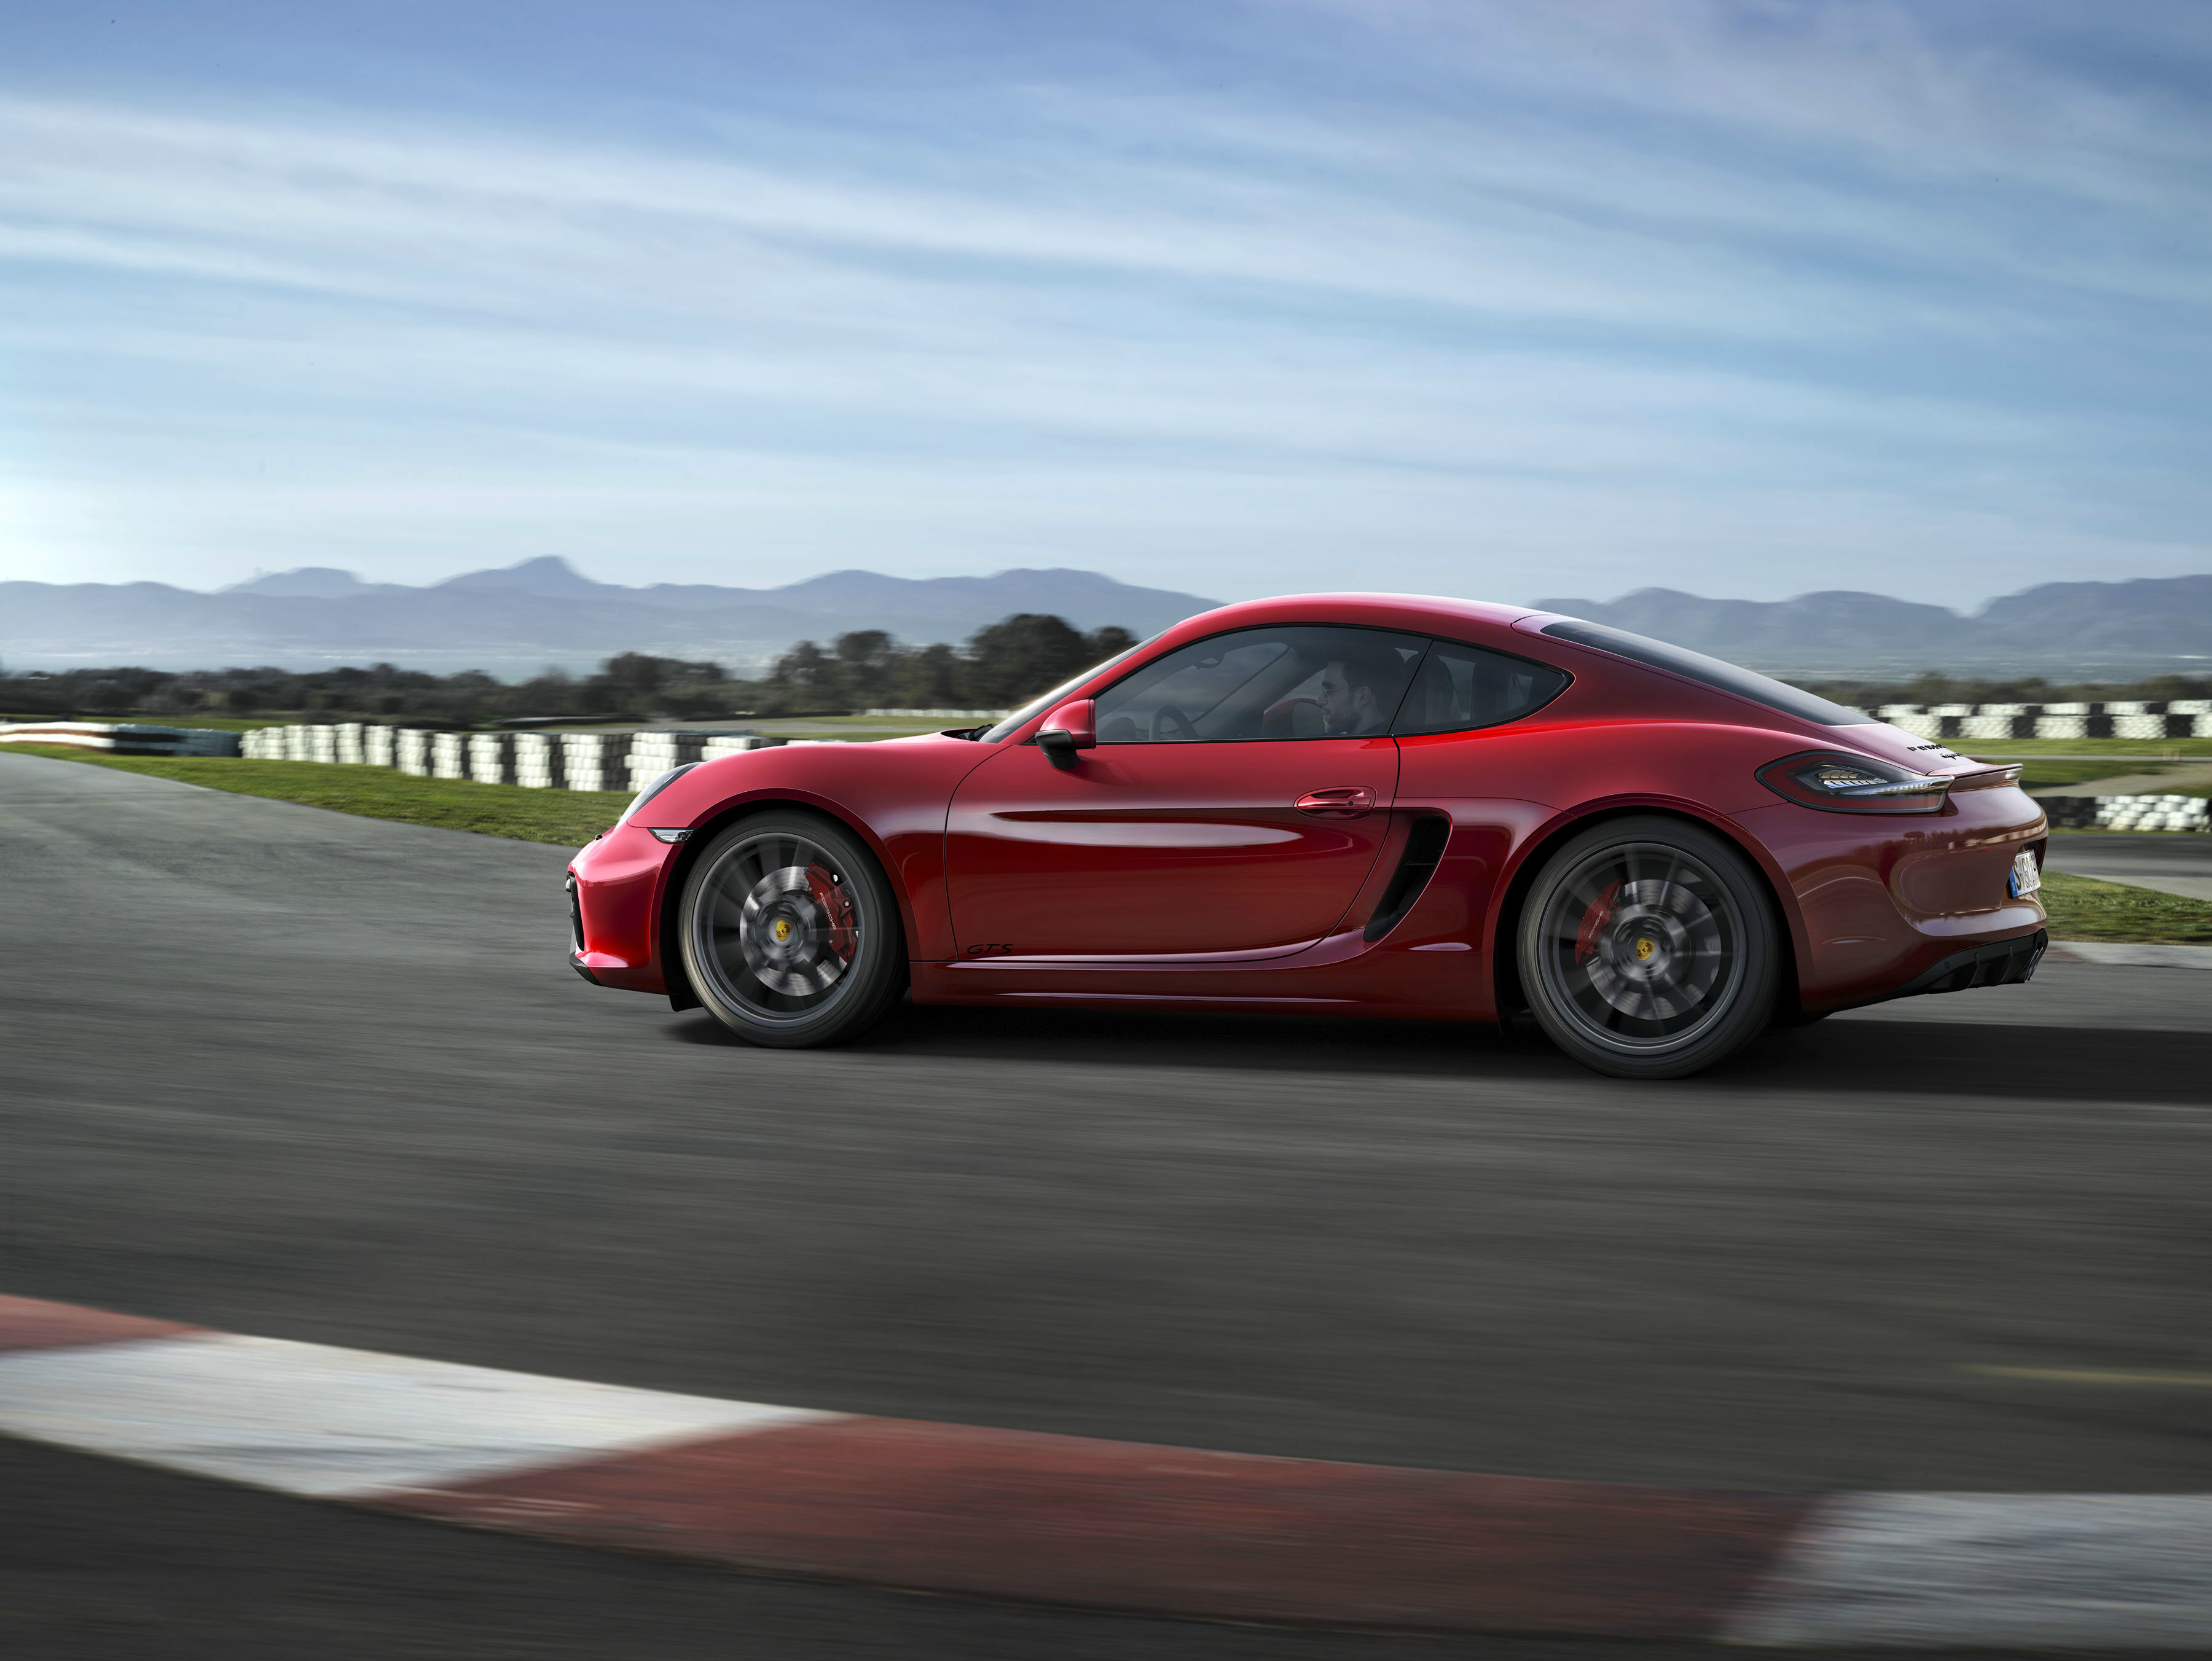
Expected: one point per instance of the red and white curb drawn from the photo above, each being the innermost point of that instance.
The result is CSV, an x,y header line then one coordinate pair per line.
x,y
1066,1519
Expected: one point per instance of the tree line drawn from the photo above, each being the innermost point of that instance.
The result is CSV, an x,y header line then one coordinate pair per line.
x,y
997,667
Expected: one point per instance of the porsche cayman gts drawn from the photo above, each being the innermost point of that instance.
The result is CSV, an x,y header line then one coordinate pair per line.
x,y
1347,805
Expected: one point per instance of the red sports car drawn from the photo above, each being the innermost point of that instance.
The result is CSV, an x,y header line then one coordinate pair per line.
x,y
1360,804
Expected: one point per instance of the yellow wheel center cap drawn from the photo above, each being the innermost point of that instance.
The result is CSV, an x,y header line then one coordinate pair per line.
x,y
782,930
1643,950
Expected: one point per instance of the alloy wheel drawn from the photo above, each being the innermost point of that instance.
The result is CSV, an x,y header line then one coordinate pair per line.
x,y
776,924
1640,947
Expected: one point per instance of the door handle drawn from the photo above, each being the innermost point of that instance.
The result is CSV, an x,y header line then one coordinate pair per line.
x,y
1349,803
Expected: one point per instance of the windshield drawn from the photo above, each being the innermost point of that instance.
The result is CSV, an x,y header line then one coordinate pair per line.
x,y
1038,705
1744,682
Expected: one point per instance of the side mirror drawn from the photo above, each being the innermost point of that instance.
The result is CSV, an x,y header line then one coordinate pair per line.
x,y
1069,728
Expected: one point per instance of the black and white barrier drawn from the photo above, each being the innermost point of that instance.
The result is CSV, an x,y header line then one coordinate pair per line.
x,y
2180,718
2128,813
535,760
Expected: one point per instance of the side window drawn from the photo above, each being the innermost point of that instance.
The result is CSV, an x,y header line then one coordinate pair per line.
x,y
1294,681
1462,686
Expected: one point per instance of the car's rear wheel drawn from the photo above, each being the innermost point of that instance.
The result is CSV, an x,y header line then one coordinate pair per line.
x,y
1648,948
789,932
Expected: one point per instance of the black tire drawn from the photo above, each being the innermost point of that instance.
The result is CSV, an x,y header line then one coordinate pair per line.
x,y
1648,948
789,932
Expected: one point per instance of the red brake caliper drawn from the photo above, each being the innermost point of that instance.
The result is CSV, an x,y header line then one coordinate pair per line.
x,y
836,907
1594,922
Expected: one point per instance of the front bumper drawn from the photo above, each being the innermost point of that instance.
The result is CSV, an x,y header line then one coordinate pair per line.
x,y
616,888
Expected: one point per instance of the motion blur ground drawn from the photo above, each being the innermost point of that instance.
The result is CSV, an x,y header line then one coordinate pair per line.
x,y
284,1071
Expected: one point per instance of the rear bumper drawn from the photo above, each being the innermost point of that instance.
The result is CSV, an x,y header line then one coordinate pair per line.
x,y
1892,906
2001,963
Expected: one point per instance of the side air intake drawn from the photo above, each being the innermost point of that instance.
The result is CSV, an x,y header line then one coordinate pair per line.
x,y
1424,846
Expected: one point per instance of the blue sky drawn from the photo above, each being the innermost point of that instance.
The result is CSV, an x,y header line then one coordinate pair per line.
x,y
1505,301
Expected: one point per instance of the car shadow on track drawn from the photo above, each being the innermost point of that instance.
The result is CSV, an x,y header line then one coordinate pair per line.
x,y
1968,1058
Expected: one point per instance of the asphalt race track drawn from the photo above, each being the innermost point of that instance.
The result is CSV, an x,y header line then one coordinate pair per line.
x,y
282,1071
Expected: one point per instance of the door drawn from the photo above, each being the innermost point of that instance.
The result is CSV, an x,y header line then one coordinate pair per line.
x,y
1235,802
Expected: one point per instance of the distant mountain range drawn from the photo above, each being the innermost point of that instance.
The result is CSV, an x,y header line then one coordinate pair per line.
x,y
517,620
2146,626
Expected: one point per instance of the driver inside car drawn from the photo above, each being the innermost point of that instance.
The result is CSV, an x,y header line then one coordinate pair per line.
x,y
1296,682
1358,692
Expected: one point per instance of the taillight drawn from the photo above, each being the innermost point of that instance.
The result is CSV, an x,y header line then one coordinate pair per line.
x,y
1838,783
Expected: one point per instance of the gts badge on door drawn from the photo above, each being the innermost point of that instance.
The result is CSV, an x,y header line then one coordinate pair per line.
x,y
990,951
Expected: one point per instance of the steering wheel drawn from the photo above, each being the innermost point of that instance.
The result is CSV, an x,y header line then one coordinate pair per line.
x,y
1294,718
1166,715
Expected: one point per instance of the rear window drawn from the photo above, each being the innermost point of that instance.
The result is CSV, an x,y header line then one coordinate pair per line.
x,y
1696,666
1460,687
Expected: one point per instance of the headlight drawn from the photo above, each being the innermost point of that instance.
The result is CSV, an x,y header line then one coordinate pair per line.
x,y
1854,784
653,789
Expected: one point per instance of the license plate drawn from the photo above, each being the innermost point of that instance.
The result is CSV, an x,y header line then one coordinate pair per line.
x,y
2026,875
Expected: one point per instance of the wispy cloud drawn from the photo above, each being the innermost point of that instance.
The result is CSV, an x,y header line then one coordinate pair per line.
x,y
1490,298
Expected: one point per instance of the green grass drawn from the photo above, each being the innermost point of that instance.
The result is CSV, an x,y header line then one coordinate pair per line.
x,y
568,817
2082,908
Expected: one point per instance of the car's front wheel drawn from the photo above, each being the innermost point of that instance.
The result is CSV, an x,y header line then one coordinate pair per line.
x,y
789,932
1648,948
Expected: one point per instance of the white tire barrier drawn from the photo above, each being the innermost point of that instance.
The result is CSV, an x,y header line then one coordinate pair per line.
x,y
535,760
491,758
2172,813
584,756
2128,813
716,748
2180,718
651,753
